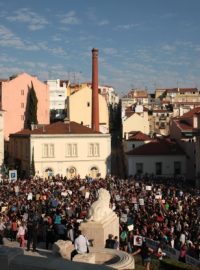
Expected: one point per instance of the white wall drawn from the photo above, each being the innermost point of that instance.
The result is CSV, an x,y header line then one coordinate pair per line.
x,y
82,162
136,122
149,164
128,145
57,94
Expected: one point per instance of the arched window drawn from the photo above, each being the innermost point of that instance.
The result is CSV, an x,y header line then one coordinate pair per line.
x,y
71,172
94,172
49,172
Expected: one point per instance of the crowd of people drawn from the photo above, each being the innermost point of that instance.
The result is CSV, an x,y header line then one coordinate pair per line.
x,y
46,210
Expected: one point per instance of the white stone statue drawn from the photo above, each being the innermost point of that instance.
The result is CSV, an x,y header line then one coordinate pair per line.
x,y
100,209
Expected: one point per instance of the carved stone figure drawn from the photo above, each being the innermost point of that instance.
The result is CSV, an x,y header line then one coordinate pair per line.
x,y
63,248
100,209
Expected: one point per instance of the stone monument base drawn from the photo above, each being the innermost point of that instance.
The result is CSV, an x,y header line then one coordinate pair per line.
x,y
97,232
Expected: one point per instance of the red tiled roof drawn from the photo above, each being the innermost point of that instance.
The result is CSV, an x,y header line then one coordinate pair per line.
x,y
138,136
183,125
191,113
161,111
157,148
172,90
58,128
183,90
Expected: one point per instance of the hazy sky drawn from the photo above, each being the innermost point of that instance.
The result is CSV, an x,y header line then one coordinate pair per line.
x,y
142,43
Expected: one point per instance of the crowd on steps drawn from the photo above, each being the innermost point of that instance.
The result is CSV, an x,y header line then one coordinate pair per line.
x,y
163,210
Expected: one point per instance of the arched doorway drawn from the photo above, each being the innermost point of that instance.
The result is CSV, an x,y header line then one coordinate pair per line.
x,y
48,172
94,172
71,172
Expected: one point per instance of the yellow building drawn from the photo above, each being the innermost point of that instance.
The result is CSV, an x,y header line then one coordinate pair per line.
x,y
136,119
80,109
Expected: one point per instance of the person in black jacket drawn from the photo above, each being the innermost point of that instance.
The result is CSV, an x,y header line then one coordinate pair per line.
x,y
32,228
110,242
145,252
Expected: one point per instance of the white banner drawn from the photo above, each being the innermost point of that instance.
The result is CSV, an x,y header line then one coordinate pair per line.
x,y
148,187
87,195
141,201
130,227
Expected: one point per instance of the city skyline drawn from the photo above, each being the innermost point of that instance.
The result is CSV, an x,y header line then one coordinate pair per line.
x,y
141,43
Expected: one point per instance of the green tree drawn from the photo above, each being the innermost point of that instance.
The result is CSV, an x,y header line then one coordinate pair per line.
x,y
32,106
32,168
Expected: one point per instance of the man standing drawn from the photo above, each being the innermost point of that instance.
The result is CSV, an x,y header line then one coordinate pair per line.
x,y
81,245
32,228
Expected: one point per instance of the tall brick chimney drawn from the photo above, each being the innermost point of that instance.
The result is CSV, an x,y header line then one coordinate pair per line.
x,y
95,96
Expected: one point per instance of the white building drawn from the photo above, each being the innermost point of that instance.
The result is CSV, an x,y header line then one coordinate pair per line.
x,y
67,149
161,158
57,94
185,130
110,95
135,139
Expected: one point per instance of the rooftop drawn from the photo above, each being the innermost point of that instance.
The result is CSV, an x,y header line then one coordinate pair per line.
x,y
58,128
157,148
138,136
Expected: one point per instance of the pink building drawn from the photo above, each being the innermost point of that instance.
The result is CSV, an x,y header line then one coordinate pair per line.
x,y
13,100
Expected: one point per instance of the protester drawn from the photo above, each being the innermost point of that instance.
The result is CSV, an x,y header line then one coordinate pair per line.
x,y
32,229
161,209
81,245
182,255
21,234
160,253
110,242
145,252
116,244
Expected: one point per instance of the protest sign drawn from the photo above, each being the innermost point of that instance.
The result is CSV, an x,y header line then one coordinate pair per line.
x,y
137,240
148,187
130,227
141,201
12,175
87,195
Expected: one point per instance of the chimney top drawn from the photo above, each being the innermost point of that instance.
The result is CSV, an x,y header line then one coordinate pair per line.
x,y
95,50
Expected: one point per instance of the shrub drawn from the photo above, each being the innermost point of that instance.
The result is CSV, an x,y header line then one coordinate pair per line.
x,y
175,265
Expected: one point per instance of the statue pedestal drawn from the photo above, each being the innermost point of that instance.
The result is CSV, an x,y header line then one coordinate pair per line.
x,y
98,231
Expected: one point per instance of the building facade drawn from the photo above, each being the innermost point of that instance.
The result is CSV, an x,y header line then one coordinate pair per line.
x,y
185,130
14,100
158,158
57,94
67,149
80,109
135,119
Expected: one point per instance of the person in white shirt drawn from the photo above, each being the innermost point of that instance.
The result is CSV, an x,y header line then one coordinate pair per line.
x,y
81,245
21,234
